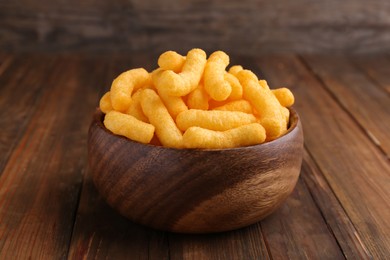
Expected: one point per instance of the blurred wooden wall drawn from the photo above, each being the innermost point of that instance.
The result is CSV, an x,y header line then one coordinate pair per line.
x,y
238,26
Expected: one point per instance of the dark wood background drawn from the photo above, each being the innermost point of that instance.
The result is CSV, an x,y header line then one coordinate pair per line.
x,y
244,26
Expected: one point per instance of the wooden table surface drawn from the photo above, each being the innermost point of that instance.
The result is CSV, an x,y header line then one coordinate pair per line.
x,y
49,208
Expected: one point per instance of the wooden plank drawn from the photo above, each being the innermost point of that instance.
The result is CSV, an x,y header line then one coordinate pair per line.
x,y
298,231
334,214
5,61
355,169
367,103
20,92
245,243
376,67
99,231
287,230
300,26
144,240
40,184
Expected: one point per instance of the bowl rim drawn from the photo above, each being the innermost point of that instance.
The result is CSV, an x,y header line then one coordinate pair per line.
x,y
293,124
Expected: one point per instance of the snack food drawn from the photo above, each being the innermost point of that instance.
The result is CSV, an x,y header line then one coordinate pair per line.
x,y
214,76
217,120
284,96
166,129
198,99
129,126
193,102
105,103
240,136
265,103
123,86
236,93
181,84
237,105
171,60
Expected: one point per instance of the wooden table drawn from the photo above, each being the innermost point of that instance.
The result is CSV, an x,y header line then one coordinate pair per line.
x,y
49,208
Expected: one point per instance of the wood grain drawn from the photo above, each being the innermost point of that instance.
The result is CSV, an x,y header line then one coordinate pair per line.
x,y
287,230
93,238
375,67
245,243
355,169
189,191
248,26
333,213
20,93
46,212
365,101
5,60
100,232
298,220
41,180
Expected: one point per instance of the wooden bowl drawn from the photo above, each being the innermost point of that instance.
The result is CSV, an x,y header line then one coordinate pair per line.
x,y
194,190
